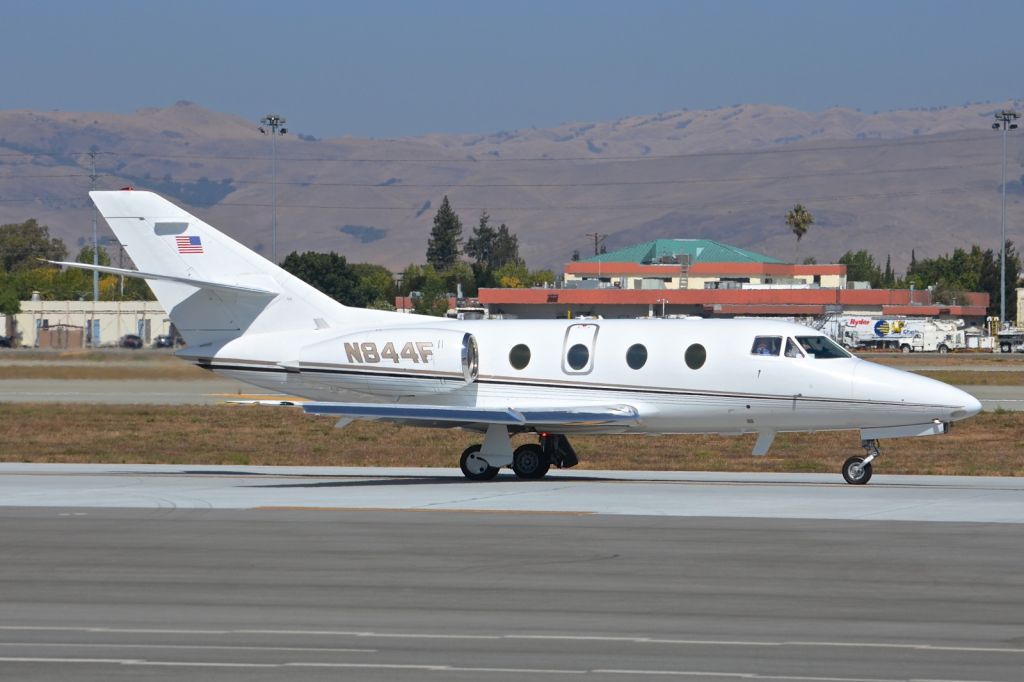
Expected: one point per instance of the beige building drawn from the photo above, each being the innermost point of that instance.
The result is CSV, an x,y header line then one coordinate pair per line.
x,y
688,264
71,324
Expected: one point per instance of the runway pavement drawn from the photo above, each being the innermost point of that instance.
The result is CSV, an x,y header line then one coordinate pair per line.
x,y
795,496
113,594
258,573
129,572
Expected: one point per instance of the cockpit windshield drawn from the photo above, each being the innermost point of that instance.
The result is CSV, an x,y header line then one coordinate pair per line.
x,y
766,345
822,347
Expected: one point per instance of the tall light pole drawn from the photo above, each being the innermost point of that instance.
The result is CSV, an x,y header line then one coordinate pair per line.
x,y
93,327
276,125
1005,121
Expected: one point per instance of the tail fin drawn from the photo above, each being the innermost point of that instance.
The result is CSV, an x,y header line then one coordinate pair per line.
x,y
213,288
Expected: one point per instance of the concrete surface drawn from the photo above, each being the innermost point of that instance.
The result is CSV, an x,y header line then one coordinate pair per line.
x,y
113,594
793,496
123,392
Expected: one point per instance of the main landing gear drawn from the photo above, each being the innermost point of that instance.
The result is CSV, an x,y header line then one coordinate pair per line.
x,y
529,462
857,470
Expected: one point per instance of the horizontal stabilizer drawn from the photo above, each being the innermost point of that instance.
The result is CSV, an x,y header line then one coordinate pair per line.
x,y
197,283
455,416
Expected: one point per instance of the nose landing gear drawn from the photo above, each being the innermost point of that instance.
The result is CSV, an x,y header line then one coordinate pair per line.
x,y
857,470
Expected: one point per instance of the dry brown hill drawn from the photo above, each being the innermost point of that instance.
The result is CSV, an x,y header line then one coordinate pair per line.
x,y
886,182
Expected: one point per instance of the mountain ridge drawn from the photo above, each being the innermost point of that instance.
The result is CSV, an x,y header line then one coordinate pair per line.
x,y
891,183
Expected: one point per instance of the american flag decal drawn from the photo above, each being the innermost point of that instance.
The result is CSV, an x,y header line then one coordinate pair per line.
x,y
189,244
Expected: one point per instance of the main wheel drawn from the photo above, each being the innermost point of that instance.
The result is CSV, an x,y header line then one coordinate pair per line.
x,y
475,468
530,462
856,472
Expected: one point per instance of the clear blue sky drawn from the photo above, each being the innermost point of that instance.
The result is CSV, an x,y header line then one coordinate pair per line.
x,y
386,69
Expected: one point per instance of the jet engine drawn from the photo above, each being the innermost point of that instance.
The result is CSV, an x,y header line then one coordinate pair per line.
x,y
399,361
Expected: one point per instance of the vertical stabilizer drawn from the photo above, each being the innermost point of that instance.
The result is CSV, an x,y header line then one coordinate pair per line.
x,y
163,239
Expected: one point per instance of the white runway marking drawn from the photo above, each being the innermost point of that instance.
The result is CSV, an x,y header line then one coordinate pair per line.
x,y
198,647
460,669
501,636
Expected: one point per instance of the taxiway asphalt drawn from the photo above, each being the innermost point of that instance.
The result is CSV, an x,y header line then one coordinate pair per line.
x,y
736,495
128,572
156,593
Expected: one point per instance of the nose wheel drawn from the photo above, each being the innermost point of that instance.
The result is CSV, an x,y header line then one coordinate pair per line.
x,y
857,470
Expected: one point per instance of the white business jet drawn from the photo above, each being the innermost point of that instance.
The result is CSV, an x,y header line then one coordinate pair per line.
x,y
246,318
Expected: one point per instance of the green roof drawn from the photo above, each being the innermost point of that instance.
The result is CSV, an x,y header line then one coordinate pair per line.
x,y
699,251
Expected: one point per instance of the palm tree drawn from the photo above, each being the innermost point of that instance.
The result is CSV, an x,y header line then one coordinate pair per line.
x,y
799,219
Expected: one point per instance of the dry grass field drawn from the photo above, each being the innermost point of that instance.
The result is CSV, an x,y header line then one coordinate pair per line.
x,y
989,444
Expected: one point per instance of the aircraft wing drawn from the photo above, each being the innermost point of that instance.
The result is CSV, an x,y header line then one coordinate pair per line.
x,y
445,416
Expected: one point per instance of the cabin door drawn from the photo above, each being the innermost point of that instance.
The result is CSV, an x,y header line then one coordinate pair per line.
x,y
578,349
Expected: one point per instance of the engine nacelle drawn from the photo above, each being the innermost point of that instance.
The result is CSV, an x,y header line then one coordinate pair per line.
x,y
397,361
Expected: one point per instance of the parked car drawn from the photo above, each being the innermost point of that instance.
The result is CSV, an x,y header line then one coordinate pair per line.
x,y
6,342
164,341
130,341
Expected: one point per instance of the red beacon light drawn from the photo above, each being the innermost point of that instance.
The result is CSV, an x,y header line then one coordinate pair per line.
x,y
129,188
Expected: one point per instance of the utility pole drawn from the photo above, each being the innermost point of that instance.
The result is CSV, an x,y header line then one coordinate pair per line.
x,y
276,125
95,253
598,238
1005,121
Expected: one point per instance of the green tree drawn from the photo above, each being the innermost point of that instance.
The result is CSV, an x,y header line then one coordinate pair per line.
x,y
22,245
1013,280
85,256
516,276
951,275
376,288
491,249
799,220
888,277
427,288
445,241
328,272
10,301
861,267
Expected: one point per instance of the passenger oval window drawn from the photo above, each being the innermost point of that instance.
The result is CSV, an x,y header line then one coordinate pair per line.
x,y
578,356
519,356
636,356
695,356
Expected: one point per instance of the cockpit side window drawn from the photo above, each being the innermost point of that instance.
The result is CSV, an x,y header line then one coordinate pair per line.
x,y
822,347
792,349
766,345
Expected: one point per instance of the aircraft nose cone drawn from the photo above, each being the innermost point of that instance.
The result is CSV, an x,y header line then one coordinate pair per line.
x,y
875,382
971,405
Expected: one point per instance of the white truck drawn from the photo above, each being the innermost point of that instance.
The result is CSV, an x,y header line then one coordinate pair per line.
x,y
908,335
1010,340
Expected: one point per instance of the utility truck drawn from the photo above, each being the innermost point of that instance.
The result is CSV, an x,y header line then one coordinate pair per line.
x,y
1011,340
908,335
